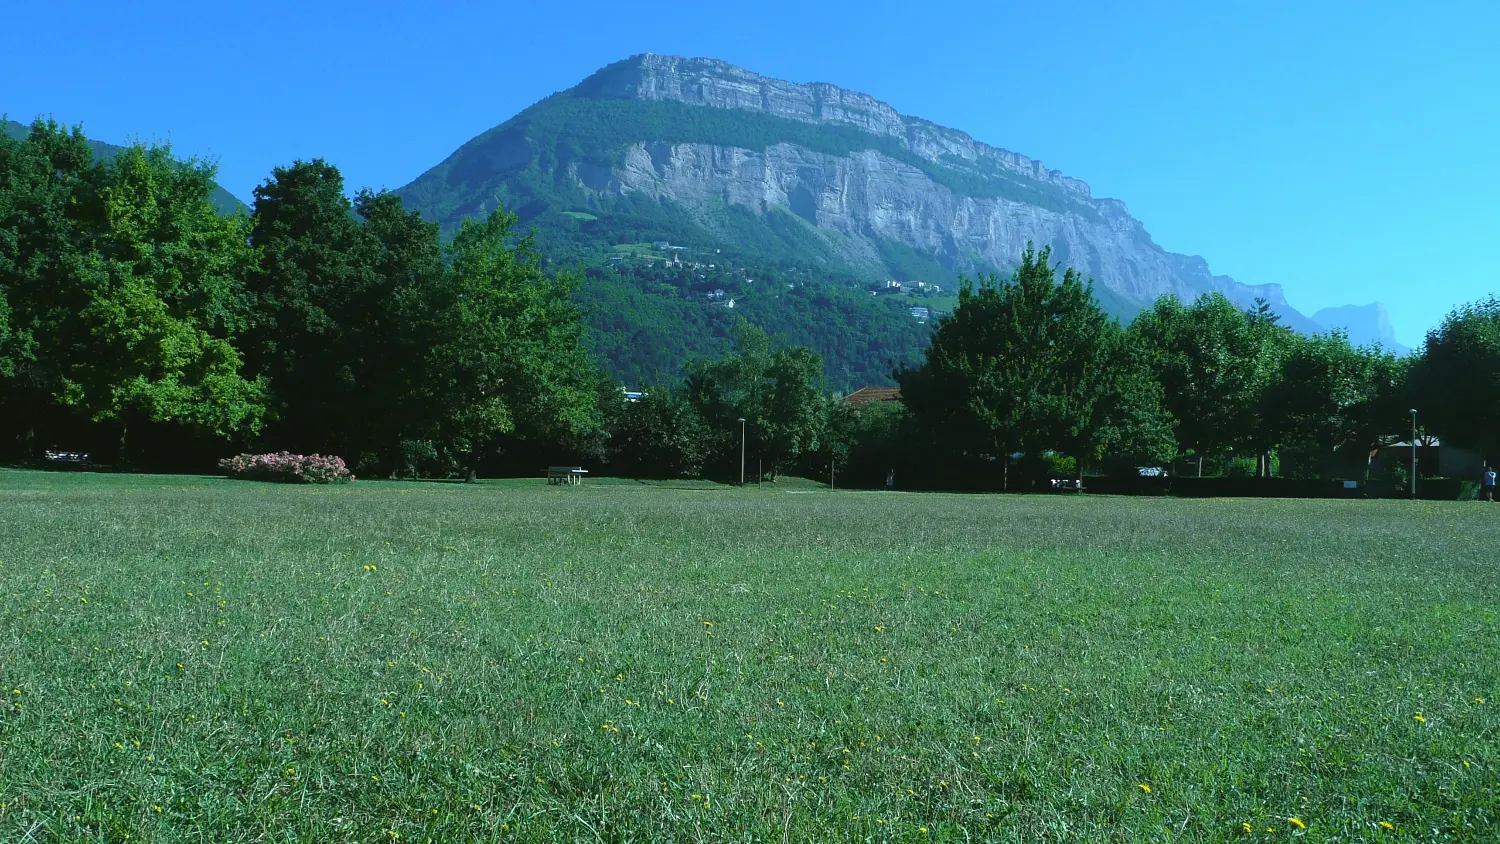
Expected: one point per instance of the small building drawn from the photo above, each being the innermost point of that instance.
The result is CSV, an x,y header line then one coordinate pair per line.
x,y
1434,459
920,314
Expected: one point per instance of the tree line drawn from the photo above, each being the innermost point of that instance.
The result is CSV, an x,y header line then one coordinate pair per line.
x,y
138,322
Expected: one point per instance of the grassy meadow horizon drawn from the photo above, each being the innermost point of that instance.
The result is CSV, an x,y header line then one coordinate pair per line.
x,y
186,658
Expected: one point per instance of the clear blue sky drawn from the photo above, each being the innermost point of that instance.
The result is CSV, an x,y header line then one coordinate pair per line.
x,y
1348,151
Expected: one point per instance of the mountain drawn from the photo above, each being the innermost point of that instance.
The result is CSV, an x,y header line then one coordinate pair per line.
x,y
702,153
1365,324
222,199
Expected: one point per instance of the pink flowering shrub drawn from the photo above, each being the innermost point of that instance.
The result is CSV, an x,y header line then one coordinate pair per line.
x,y
287,468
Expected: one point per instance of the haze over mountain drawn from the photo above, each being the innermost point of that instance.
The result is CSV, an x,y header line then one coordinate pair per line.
x,y
703,153
1365,324
226,202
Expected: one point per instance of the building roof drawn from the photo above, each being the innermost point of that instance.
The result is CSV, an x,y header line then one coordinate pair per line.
x,y
871,395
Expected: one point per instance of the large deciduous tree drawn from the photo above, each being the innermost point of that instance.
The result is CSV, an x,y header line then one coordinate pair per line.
x,y
311,295
122,286
1455,384
1331,404
780,394
510,360
1032,364
1214,362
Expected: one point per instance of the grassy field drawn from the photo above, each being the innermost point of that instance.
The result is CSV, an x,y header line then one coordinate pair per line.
x,y
202,659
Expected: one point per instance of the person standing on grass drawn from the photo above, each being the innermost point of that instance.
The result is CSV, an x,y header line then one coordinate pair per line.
x,y
1487,485
890,480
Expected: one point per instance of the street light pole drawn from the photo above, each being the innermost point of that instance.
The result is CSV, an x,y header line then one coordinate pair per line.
x,y
1414,453
742,451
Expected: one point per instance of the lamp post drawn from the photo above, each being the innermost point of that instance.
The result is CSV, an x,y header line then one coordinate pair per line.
x,y
1414,453
742,451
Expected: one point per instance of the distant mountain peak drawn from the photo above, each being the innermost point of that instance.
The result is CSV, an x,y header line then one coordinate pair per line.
x,y
699,150
1365,324
226,202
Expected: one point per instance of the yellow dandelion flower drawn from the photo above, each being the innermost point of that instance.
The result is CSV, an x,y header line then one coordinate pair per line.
x,y
1144,787
1246,828
1387,826
1419,718
156,809
1297,822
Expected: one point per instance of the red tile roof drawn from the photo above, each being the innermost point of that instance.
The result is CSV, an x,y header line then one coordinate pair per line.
x,y
871,395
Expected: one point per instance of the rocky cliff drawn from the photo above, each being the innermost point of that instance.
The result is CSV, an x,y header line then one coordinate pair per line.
x,y
835,174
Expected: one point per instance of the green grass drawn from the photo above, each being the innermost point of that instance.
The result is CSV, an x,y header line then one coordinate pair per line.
x,y
203,659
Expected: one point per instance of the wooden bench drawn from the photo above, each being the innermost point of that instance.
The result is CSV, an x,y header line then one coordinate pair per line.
x,y
570,475
1067,484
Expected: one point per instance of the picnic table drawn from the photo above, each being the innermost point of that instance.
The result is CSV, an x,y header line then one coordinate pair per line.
x,y
570,475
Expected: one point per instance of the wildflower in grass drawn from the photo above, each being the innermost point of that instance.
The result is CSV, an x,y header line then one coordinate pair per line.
x,y
1479,700
156,809
1246,828
1144,788
1387,826
1297,822
879,628
1419,718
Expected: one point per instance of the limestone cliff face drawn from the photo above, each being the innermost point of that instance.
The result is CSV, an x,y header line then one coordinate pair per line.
x,y
854,199
718,84
864,179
